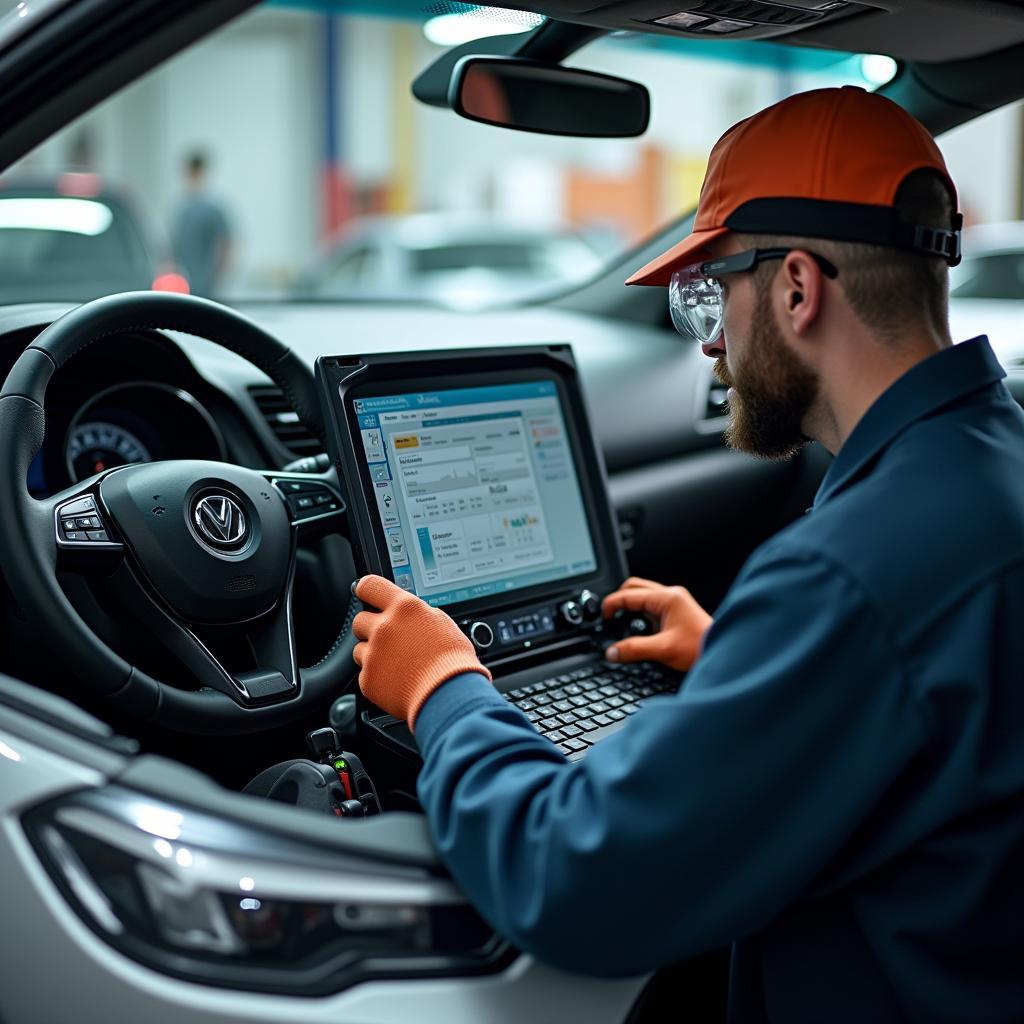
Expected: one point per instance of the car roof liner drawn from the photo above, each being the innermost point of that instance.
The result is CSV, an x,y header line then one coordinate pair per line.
x,y
923,30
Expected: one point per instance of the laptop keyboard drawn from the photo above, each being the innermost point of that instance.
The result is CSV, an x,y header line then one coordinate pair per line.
x,y
577,709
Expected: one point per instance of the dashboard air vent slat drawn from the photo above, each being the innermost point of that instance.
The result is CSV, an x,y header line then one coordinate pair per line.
x,y
283,420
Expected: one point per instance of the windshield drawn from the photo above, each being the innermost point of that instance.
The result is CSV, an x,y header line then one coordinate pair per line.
x,y
284,158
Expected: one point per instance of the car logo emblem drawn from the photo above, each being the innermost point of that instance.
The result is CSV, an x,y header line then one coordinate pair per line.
x,y
220,521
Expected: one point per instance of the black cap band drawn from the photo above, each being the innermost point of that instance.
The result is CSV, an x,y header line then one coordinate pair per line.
x,y
845,222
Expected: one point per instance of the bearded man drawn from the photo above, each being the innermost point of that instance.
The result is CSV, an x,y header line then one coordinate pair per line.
x,y
838,788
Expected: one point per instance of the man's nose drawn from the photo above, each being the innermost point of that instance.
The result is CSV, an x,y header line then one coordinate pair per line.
x,y
716,347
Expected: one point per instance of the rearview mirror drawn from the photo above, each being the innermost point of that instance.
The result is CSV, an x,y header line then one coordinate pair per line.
x,y
534,97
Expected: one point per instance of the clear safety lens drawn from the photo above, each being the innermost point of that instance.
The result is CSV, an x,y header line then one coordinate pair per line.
x,y
696,305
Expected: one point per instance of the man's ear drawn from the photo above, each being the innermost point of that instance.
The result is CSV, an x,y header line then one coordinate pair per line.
x,y
803,285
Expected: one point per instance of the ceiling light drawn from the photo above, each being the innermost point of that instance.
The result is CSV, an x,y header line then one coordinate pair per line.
x,y
878,69
478,23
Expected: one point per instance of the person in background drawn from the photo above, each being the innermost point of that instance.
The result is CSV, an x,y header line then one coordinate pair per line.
x,y
202,234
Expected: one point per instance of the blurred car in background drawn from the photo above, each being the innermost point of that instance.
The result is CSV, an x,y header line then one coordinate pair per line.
x,y
988,286
75,237
461,262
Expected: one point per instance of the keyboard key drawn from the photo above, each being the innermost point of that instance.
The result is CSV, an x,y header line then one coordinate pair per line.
x,y
533,716
579,701
558,694
599,707
616,714
573,689
541,699
572,730
602,720
567,718
587,725
545,724
565,748
562,705
609,691
515,694
630,709
575,744
565,678
526,704
615,702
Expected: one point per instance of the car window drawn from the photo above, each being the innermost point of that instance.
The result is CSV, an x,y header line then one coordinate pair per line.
x,y
996,276
261,151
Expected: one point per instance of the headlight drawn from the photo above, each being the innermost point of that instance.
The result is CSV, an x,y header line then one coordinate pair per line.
x,y
224,904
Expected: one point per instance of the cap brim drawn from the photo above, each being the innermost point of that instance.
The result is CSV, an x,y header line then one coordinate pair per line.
x,y
659,270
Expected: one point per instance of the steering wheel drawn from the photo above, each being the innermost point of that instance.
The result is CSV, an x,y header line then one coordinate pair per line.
x,y
192,549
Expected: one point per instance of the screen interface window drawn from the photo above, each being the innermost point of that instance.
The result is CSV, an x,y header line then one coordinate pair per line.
x,y
476,489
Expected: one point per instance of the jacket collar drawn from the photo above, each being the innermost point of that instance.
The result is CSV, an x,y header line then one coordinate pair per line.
x,y
923,389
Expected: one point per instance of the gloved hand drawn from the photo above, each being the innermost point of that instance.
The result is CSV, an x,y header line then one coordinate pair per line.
x,y
683,624
409,649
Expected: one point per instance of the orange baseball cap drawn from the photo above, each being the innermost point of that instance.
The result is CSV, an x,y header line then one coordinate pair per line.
x,y
821,164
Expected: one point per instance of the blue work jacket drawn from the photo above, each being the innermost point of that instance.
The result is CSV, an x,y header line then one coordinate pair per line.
x,y
837,789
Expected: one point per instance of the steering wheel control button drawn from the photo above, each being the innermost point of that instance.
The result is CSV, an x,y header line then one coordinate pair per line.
x,y
75,535
98,535
88,523
220,522
79,507
308,499
482,635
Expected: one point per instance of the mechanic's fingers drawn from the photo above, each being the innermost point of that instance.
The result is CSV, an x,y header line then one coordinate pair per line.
x,y
377,592
364,624
641,648
638,581
637,599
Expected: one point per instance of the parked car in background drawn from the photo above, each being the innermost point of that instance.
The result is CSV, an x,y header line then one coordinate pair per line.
x,y
75,237
462,262
988,286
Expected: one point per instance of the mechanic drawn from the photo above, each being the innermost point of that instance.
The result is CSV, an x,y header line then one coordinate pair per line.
x,y
838,788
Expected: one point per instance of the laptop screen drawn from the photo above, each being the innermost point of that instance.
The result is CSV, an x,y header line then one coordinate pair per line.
x,y
476,489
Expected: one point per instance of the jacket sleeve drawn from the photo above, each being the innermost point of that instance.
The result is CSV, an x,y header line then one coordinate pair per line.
x,y
709,812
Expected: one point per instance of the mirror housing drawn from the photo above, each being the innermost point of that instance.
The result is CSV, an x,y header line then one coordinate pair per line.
x,y
531,96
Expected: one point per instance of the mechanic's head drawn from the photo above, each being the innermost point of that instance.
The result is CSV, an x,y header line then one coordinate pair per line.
x,y
811,260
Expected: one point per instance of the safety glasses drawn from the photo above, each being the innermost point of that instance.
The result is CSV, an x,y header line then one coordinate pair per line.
x,y
695,295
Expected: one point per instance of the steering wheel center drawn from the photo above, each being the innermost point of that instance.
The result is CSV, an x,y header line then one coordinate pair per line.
x,y
214,540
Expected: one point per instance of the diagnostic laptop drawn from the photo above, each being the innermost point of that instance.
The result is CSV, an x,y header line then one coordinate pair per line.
x,y
474,481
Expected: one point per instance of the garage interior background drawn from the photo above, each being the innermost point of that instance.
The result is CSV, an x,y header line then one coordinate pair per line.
x,y
308,121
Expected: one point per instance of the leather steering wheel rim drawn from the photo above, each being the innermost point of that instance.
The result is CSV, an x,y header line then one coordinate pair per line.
x,y
28,549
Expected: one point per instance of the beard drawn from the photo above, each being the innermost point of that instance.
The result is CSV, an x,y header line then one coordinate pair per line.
x,y
772,395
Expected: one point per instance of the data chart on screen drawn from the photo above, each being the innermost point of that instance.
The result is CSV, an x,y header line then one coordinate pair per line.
x,y
476,489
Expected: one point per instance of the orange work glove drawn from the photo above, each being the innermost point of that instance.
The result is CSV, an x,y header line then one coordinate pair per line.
x,y
408,649
683,624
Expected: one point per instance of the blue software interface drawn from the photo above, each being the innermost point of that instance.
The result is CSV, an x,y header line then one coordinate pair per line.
x,y
476,489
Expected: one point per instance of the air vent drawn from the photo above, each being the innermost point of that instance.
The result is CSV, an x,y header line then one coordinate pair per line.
x,y
283,420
